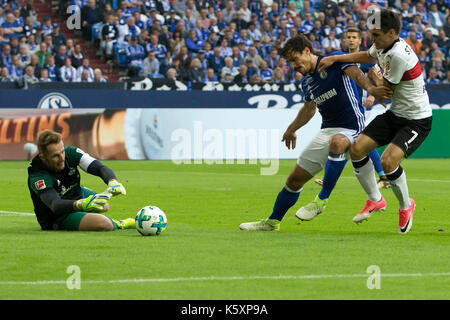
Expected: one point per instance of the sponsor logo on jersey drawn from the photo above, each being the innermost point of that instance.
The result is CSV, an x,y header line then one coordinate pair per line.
x,y
325,96
40,184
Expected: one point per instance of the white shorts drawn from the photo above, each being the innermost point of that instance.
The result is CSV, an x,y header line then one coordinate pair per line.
x,y
315,155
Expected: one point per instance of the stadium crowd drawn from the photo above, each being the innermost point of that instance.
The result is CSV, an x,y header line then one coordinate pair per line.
x,y
234,41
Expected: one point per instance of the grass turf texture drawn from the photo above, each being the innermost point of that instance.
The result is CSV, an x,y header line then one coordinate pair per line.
x,y
205,205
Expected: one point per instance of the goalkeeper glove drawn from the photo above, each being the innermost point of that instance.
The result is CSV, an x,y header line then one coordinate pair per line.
x,y
95,203
116,188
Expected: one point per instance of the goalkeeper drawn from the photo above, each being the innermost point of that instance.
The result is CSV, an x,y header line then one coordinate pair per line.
x,y
60,202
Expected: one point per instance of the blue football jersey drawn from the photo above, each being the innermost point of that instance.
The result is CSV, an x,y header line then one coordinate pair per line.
x,y
336,96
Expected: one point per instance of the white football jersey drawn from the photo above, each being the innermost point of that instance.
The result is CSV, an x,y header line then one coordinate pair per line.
x,y
400,66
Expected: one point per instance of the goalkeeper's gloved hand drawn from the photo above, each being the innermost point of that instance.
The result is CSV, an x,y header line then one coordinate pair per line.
x,y
94,203
116,188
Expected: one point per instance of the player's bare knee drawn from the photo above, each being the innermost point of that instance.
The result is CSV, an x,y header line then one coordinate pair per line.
x,y
105,225
294,182
388,163
338,144
356,153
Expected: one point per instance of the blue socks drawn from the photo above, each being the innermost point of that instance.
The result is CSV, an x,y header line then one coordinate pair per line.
x,y
285,199
333,169
375,157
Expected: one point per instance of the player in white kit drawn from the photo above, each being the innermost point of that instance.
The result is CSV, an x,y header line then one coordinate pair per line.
x,y
403,127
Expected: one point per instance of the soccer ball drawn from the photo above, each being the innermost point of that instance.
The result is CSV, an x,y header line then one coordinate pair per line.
x,y
150,221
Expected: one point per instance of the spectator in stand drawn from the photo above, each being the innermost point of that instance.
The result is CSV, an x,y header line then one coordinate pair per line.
x,y
86,76
15,70
331,43
235,55
150,66
229,12
257,60
195,72
251,69
242,77
11,28
14,44
441,73
109,36
24,56
228,68
47,26
216,61
4,75
185,62
67,72
29,76
447,80
172,74
414,43
273,58
53,69
31,44
135,55
210,76
34,63
159,49
98,77
90,15
61,56
432,77
85,67
265,72
436,17
43,54
77,56
256,79
57,37
44,76
193,43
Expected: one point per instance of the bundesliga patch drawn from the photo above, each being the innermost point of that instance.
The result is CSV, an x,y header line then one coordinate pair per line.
x,y
40,184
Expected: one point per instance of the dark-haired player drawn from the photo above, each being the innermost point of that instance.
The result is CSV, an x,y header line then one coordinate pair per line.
x,y
60,202
335,95
353,37
403,127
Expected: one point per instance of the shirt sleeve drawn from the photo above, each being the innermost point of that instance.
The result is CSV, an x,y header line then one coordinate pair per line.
x,y
373,51
305,91
40,182
78,157
395,68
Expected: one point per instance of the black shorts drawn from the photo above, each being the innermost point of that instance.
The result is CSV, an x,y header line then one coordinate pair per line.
x,y
407,134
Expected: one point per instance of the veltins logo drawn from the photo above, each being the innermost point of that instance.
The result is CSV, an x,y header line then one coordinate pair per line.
x,y
54,100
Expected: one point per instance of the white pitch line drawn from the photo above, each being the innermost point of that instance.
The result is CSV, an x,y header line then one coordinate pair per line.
x,y
9,213
234,278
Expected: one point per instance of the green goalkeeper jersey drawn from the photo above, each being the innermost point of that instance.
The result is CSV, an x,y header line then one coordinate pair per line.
x,y
66,183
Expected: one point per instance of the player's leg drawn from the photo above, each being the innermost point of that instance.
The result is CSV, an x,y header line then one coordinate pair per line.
x,y
310,162
338,146
327,152
383,182
96,222
408,138
364,172
117,224
286,198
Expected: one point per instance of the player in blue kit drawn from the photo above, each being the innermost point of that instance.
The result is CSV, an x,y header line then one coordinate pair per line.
x,y
353,37
335,95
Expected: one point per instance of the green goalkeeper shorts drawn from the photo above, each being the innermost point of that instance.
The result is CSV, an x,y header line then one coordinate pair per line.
x,y
71,221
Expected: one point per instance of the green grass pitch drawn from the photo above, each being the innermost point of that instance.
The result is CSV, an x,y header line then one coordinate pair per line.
x,y
204,255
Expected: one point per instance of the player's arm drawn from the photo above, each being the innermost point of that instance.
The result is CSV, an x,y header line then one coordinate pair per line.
x,y
356,57
93,166
304,115
107,174
96,203
379,92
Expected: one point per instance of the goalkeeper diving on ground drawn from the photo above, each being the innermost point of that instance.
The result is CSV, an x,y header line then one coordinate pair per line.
x,y
60,201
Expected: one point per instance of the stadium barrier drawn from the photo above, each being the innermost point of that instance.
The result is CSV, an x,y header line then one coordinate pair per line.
x,y
201,124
